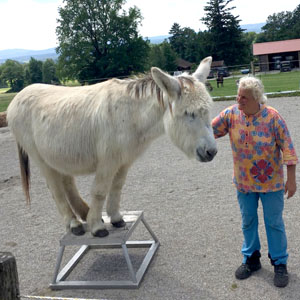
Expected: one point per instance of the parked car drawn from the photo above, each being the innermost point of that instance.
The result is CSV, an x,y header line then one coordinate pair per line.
x,y
245,71
285,66
177,73
277,60
211,74
223,71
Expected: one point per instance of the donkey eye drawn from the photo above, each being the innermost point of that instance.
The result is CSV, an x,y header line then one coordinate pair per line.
x,y
191,115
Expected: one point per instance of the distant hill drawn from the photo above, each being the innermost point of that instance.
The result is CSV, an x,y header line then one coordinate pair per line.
x,y
253,27
158,39
24,56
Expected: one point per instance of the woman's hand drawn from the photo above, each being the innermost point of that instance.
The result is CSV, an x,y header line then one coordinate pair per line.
x,y
290,185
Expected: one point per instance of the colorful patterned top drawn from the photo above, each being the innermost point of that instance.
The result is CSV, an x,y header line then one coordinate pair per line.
x,y
257,142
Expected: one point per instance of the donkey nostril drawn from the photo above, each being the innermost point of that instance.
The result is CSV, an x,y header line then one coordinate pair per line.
x,y
211,153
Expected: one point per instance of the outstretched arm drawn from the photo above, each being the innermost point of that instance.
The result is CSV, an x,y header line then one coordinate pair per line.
x,y
220,124
290,185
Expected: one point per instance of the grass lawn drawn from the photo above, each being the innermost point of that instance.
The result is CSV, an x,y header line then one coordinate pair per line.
x,y
5,99
274,83
3,90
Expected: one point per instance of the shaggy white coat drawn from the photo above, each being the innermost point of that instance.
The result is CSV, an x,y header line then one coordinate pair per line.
x,y
102,129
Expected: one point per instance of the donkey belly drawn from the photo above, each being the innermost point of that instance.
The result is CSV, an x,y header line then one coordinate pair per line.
x,y
69,164
73,155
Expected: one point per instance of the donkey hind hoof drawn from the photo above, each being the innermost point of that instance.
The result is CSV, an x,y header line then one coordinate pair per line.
x,y
78,230
119,224
101,233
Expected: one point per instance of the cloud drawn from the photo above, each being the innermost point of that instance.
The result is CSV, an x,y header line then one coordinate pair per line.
x,y
28,24
31,24
160,15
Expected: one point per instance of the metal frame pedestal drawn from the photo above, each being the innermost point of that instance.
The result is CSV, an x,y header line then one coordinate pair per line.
x,y
117,238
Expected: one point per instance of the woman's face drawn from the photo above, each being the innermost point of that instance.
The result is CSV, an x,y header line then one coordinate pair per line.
x,y
246,102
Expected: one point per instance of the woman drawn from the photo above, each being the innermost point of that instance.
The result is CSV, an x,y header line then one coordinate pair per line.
x,y
261,145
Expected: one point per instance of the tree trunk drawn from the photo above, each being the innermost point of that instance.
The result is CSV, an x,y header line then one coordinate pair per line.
x,y
9,283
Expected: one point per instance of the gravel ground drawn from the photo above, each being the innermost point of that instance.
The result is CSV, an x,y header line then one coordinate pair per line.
x,y
190,206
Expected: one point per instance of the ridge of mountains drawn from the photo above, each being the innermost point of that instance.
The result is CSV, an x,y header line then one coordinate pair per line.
x,y
24,55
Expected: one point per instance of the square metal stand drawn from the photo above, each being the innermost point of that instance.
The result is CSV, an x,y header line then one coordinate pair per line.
x,y
117,238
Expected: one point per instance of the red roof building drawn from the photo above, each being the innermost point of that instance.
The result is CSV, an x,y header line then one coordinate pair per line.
x,y
217,64
270,54
183,65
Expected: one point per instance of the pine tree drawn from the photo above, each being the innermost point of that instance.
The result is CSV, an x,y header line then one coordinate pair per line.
x,y
225,36
177,39
186,43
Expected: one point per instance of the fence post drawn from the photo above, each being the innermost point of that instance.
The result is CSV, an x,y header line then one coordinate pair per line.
x,y
9,283
252,68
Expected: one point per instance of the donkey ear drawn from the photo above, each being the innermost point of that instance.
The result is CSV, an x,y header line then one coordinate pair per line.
x,y
203,70
167,83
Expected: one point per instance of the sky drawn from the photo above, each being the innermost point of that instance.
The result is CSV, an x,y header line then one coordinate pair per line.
x,y
30,24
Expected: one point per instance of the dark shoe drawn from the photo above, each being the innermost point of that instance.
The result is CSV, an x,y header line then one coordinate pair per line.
x,y
252,264
281,278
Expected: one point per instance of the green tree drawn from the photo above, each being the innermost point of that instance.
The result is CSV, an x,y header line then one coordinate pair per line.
x,y
98,40
156,57
169,57
2,83
276,28
296,23
35,71
192,48
284,25
203,45
185,42
224,32
27,78
13,74
49,72
163,57
248,38
177,39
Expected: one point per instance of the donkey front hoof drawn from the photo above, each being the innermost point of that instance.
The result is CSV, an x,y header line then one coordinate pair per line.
x,y
101,233
119,224
78,230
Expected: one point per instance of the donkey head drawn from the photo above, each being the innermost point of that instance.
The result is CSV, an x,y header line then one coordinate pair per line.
x,y
187,120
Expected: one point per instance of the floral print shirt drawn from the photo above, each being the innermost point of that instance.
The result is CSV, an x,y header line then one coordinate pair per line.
x,y
260,145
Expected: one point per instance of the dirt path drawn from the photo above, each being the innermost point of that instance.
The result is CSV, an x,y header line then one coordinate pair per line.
x,y
190,206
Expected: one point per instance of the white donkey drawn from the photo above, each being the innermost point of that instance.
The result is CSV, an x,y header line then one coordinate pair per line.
x,y
102,129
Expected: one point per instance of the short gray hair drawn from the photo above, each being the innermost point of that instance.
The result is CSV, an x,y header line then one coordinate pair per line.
x,y
255,86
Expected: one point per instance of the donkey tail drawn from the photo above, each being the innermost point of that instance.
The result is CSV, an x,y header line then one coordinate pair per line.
x,y
25,172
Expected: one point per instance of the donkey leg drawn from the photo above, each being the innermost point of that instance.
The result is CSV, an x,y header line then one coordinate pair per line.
x,y
78,205
114,197
100,187
55,184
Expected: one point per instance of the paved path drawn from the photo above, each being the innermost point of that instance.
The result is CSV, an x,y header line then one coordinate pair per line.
x,y
190,206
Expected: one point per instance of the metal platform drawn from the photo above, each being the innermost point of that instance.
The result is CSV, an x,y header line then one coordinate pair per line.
x,y
117,238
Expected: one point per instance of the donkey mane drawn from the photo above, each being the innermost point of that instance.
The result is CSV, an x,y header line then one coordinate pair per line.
x,y
139,87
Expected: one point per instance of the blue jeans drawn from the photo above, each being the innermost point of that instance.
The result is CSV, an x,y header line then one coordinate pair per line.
x,y
273,204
